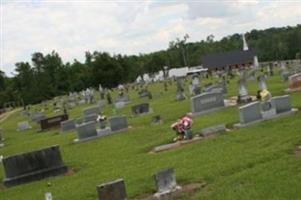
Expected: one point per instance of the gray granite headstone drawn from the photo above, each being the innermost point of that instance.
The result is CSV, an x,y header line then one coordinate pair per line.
x,y
206,102
166,183
140,109
282,103
37,117
86,130
92,110
268,109
90,118
31,166
119,105
180,96
101,104
118,123
68,125
250,113
22,126
114,190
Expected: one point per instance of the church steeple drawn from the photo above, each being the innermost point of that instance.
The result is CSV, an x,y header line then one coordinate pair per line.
x,y
245,45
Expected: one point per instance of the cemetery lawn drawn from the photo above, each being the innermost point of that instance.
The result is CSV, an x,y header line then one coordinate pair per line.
x,y
258,162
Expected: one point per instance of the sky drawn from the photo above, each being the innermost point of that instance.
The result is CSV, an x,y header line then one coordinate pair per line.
x,y
127,27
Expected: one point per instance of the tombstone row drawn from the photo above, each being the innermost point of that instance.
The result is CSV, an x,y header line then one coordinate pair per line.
x,y
165,182
258,111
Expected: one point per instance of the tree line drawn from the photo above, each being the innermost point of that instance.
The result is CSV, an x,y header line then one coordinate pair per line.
x,y
47,76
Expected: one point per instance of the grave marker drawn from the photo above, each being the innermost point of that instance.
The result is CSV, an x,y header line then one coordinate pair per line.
x,y
118,123
91,110
67,125
294,82
52,122
140,109
31,166
22,126
114,190
207,102
165,183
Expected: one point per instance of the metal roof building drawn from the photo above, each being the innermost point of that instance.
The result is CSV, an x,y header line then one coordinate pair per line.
x,y
232,59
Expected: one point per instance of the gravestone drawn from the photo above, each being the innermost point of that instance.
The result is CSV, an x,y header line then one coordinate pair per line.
x,y
156,119
91,117
114,190
52,122
261,82
140,109
22,126
207,102
101,104
48,196
268,109
86,130
67,125
294,82
119,105
180,90
91,110
282,104
144,93
250,113
37,117
118,123
31,166
166,183
196,89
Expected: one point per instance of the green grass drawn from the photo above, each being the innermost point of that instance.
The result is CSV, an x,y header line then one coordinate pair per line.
x,y
257,162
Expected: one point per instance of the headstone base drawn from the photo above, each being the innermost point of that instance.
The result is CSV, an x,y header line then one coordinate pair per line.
x,y
38,175
289,90
166,194
244,99
284,114
206,132
177,144
100,133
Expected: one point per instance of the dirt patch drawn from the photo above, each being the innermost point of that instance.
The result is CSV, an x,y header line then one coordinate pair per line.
x,y
298,150
70,172
187,190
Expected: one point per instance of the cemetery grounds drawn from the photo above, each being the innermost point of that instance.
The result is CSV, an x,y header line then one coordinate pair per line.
x,y
258,162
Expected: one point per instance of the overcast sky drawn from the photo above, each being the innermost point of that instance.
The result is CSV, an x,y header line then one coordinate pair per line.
x,y
127,27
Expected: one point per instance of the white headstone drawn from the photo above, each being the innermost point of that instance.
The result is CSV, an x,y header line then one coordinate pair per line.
x,y
48,196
